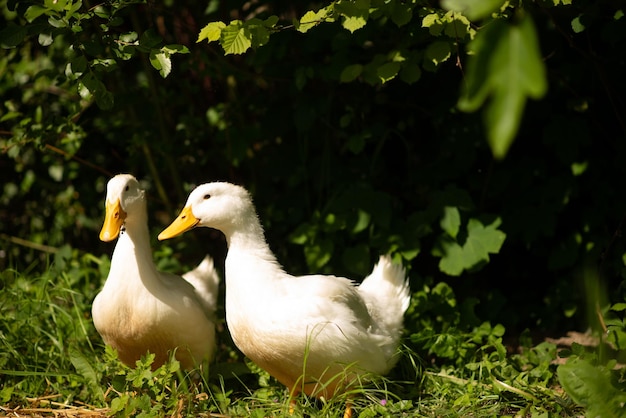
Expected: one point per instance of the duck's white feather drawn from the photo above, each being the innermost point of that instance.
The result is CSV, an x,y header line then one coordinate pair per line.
x,y
313,333
140,309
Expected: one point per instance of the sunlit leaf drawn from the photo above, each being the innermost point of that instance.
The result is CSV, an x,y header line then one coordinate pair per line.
x,y
211,32
310,20
235,39
473,9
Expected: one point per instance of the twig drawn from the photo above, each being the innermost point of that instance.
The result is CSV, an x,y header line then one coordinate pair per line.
x,y
29,244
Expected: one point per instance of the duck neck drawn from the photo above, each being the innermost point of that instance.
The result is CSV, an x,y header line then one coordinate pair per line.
x,y
247,248
132,250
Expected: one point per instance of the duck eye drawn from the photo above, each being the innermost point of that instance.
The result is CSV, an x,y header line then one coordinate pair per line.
x,y
127,188
207,196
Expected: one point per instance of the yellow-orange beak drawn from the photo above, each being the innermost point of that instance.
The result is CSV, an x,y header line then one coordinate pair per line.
x,y
184,222
113,220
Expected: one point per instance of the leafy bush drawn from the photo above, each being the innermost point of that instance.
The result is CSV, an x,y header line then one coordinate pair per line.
x,y
480,142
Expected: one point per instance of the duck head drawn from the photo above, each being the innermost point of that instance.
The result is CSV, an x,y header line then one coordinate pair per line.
x,y
218,205
123,195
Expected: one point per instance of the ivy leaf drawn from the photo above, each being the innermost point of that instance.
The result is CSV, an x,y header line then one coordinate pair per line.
x,y
473,9
211,32
507,67
236,39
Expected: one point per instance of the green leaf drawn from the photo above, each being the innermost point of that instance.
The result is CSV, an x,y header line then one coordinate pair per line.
x,y
355,13
507,66
388,71
33,12
12,35
84,368
236,39
350,73
481,241
577,25
473,9
402,13
318,254
410,73
161,61
451,221
590,386
211,32
438,52
149,39
310,20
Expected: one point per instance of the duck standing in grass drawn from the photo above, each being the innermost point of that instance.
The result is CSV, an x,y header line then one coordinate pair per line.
x,y
316,334
141,309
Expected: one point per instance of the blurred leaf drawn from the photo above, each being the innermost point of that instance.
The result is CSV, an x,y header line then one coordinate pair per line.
x,y
473,9
451,221
12,35
590,386
507,66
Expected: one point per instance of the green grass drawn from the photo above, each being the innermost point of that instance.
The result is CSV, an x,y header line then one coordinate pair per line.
x,y
52,360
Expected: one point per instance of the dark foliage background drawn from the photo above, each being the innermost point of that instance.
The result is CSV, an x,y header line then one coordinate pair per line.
x,y
340,171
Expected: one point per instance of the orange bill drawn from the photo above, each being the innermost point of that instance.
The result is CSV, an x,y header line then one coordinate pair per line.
x,y
113,220
184,222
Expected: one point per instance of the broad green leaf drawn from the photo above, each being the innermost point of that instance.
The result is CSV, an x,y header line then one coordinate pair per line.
x,y
310,20
451,221
354,23
388,71
161,61
235,39
507,66
480,242
33,12
438,52
350,73
410,72
150,39
355,13
211,32
434,24
402,13
473,9
577,25
12,35
590,386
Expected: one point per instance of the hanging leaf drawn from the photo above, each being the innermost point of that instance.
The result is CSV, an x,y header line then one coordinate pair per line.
x,y
211,32
236,39
506,67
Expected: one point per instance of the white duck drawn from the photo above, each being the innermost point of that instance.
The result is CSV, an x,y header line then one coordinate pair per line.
x,y
315,334
141,309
